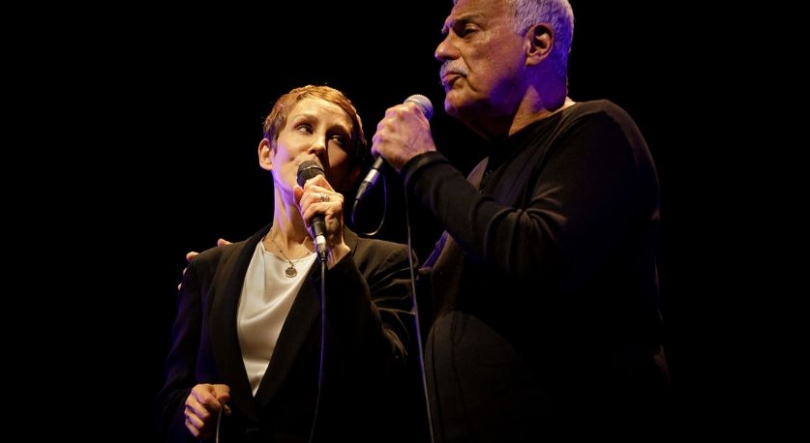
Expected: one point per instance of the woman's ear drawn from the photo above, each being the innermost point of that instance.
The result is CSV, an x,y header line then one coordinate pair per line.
x,y
265,154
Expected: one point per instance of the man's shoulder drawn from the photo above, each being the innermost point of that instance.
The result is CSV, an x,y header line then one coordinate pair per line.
x,y
598,106
380,244
368,248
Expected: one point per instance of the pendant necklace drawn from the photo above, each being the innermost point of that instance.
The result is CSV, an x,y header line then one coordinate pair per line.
x,y
291,271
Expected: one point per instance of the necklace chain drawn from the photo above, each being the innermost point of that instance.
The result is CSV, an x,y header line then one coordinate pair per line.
x,y
291,271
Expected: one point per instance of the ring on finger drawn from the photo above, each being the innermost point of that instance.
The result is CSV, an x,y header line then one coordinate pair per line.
x,y
324,198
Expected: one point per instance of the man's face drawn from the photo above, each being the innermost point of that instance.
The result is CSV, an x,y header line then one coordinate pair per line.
x,y
483,60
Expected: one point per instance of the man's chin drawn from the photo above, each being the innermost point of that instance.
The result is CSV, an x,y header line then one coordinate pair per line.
x,y
452,103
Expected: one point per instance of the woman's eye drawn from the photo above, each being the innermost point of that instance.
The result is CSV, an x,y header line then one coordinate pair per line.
x,y
340,140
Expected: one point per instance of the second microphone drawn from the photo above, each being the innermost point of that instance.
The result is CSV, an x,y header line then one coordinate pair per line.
x,y
426,107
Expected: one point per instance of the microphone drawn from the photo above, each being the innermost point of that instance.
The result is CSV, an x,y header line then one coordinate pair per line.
x,y
307,170
426,107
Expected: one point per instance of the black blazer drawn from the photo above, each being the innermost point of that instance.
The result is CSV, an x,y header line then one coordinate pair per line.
x,y
370,382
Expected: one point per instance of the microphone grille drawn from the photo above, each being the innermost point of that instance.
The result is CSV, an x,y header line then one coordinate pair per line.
x,y
308,169
424,104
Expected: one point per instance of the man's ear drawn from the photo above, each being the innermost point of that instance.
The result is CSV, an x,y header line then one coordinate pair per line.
x,y
265,152
539,42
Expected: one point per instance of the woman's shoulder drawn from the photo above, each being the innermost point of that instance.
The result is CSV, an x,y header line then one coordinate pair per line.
x,y
221,253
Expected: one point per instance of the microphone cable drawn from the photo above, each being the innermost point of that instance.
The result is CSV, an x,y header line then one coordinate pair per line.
x,y
322,261
426,107
356,204
219,421
415,304
416,321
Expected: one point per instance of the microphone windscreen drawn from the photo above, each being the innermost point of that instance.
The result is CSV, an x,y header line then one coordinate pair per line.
x,y
309,169
424,104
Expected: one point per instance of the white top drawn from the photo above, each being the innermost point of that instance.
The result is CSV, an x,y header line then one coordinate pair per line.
x,y
267,296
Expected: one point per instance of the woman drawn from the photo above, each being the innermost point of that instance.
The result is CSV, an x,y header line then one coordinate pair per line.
x,y
250,360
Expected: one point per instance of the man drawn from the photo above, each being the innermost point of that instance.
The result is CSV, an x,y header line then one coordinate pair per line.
x,y
544,285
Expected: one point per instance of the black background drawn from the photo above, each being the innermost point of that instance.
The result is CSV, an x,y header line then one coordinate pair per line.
x,y
191,88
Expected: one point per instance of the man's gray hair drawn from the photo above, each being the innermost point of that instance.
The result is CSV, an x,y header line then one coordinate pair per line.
x,y
558,14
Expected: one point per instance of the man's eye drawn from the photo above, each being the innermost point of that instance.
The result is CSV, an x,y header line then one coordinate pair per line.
x,y
467,30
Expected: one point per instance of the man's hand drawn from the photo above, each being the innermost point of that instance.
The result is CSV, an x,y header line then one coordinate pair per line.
x,y
191,254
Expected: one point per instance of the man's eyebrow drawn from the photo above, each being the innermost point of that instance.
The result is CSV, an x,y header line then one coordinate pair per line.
x,y
462,20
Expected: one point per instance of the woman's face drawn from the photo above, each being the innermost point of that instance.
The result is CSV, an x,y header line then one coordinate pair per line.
x,y
315,128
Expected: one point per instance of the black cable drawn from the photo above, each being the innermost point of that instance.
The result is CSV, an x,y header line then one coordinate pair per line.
x,y
415,309
357,201
323,348
416,321
219,421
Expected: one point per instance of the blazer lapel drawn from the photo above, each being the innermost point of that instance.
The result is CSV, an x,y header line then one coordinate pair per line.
x,y
226,290
299,323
